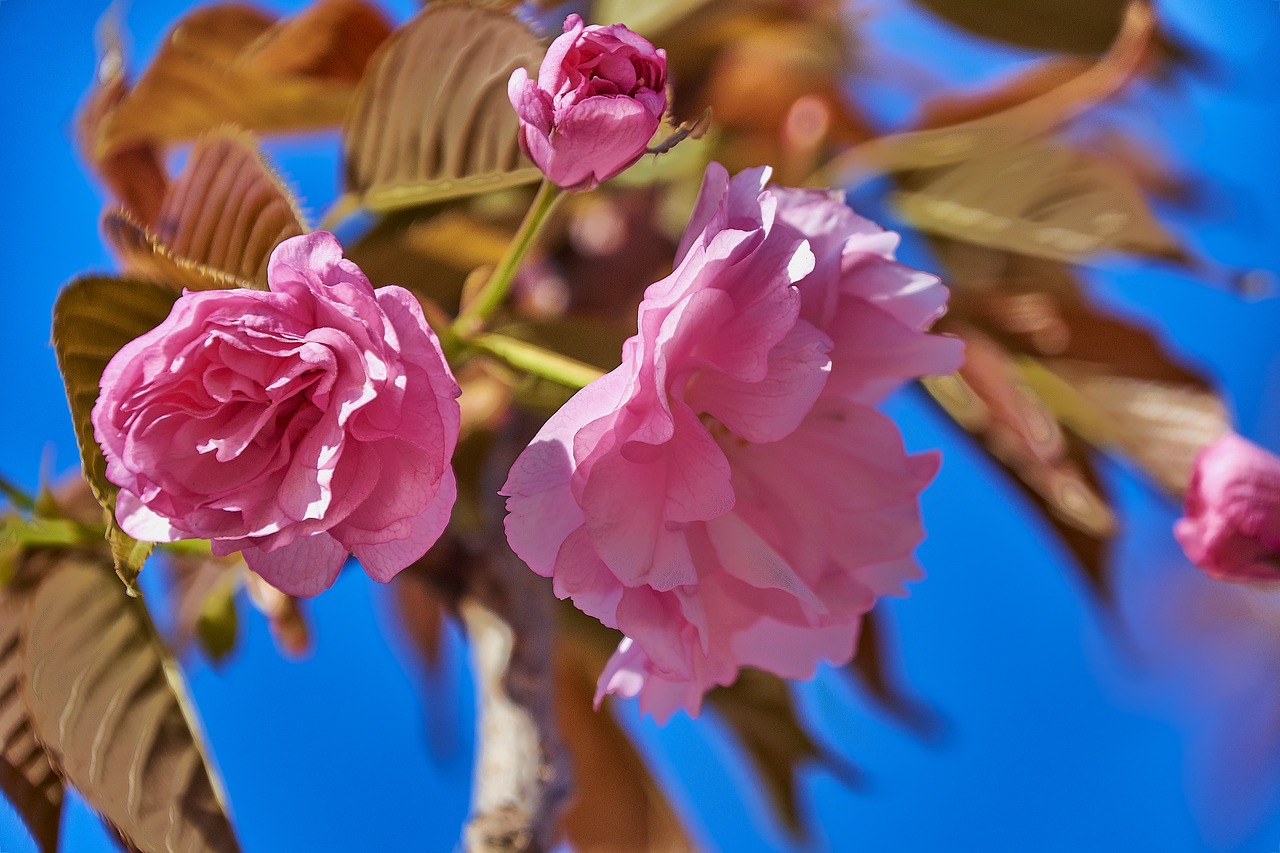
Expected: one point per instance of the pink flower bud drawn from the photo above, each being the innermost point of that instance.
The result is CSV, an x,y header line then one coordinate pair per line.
x,y
599,97
1232,524
297,425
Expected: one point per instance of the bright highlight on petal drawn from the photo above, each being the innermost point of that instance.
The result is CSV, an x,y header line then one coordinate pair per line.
x,y
297,425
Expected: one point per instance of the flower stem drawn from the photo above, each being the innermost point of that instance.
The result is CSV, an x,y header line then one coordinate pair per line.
x,y
537,361
491,296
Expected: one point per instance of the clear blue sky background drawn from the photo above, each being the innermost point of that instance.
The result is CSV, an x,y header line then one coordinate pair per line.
x,y
1055,741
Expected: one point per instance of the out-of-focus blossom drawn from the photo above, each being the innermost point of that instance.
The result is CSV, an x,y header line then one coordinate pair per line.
x,y
1231,528
599,98
297,425
727,497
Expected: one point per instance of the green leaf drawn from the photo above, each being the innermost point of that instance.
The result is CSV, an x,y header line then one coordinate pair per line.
x,y
431,120
110,707
92,319
27,778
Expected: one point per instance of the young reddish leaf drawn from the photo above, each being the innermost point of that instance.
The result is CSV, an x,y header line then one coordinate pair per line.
x,y
110,708
217,225
431,120
233,64
27,778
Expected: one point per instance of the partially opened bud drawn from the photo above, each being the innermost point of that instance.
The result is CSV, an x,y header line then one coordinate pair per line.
x,y
599,97
1232,524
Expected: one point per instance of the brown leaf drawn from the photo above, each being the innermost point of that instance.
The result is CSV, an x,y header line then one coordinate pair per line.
x,y
289,626
429,255
27,778
1050,377
877,669
110,710
133,173
218,224
1039,199
1069,26
617,806
955,107
1108,379
431,120
992,132
762,716
990,399
201,593
93,318
234,64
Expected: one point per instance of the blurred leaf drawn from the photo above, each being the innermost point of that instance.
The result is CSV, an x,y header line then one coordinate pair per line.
x,y
762,716
987,132
234,64
953,107
27,779
430,255
877,668
202,591
617,806
650,18
134,173
93,318
1049,376
1162,426
110,709
285,618
1038,199
218,224
431,120
1068,26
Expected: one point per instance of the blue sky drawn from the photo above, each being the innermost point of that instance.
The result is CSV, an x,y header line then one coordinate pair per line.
x,y
1054,741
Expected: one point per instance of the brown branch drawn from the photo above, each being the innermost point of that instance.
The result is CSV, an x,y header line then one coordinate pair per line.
x,y
521,781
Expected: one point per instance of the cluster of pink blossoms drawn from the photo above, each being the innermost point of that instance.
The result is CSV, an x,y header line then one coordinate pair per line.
x,y
727,497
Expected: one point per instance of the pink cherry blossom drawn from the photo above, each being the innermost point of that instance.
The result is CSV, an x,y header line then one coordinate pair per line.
x,y
599,97
727,497
1231,528
297,426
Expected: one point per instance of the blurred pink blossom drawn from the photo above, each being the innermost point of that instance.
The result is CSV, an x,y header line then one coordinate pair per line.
x,y
599,97
1231,529
727,497
296,426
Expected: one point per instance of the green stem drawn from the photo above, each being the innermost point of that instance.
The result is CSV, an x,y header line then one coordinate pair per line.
x,y
537,361
494,292
16,495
